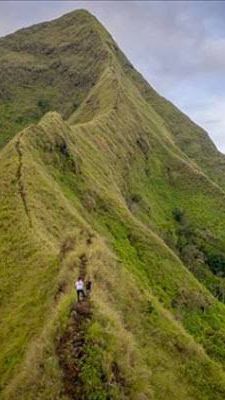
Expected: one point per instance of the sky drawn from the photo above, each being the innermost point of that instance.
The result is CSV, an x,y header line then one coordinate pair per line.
x,y
179,47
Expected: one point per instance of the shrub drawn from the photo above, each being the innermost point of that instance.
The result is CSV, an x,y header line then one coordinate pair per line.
x,y
216,262
44,105
178,214
190,254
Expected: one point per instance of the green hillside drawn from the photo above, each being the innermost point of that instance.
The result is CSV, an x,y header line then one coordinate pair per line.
x,y
102,177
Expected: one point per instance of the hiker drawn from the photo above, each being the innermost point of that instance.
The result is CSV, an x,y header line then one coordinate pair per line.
x,y
80,288
88,286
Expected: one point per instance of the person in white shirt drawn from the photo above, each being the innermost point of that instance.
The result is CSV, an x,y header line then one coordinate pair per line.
x,y
79,285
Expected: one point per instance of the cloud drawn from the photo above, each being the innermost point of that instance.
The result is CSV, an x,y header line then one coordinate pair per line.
x,y
210,115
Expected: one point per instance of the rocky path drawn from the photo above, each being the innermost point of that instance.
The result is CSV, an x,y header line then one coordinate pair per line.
x,y
71,346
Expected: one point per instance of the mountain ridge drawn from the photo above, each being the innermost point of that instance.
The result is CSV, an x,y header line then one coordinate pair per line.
x,y
108,187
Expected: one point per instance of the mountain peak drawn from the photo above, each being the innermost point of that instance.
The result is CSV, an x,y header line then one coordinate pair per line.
x,y
77,13
76,16
103,178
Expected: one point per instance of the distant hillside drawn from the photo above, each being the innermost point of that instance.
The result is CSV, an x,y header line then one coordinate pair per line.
x,y
101,177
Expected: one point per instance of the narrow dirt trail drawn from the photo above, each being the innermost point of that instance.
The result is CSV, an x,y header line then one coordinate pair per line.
x,y
71,346
20,180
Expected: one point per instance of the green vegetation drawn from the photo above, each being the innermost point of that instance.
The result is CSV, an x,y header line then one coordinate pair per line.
x,y
104,178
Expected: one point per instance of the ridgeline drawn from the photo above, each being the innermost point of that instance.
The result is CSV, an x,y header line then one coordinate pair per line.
x,y
99,174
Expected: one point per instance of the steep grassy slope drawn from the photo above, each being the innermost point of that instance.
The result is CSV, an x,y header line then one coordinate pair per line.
x,y
143,331
53,65
190,138
50,66
110,194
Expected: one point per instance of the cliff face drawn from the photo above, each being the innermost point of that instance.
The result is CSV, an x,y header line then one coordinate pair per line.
x,y
112,182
